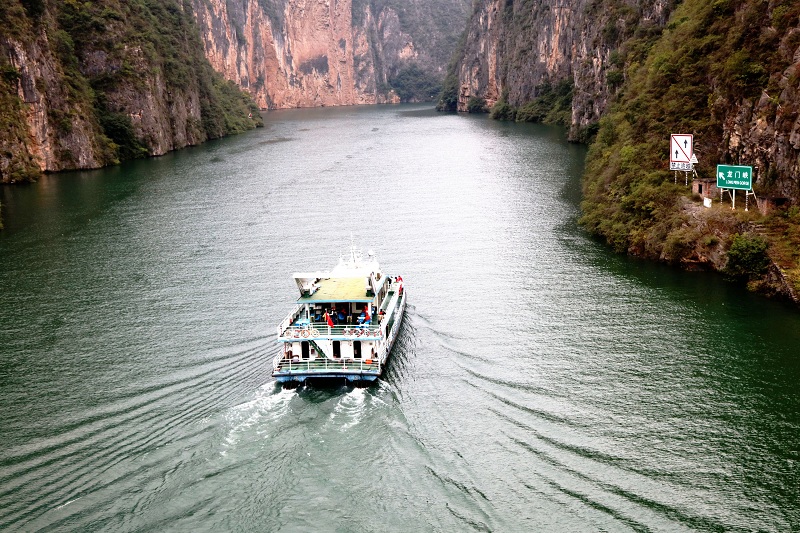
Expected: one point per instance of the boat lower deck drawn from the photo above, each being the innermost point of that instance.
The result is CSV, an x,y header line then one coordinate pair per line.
x,y
324,368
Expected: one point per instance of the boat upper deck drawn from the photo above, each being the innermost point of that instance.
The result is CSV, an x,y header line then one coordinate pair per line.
x,y
347,316
339,290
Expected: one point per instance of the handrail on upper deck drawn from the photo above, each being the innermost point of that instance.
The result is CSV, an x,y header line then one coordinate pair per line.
x,y
320,329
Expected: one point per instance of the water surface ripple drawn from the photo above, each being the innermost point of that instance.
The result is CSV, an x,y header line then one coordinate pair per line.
x,y
540,382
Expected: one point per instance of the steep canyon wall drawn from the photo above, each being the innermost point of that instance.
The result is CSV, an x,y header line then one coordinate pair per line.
x,y
518,48
630,73
303,53
86,84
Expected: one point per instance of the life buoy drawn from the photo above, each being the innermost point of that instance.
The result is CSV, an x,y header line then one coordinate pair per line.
x,y
368,361
315,333
306,333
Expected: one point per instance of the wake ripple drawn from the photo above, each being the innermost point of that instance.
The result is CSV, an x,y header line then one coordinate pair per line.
x,y
119,444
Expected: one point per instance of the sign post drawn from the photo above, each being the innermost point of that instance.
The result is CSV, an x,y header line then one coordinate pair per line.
x,y
735,177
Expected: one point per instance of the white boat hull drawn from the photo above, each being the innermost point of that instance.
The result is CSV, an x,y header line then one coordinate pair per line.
x,y
319,361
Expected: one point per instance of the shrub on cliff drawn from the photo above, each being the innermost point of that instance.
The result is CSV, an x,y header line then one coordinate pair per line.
x,y
16,164
119,128
448,98
747,257
414,84
552,105
477,104
502,110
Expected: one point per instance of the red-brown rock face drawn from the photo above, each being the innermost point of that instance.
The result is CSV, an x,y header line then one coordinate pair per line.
x,y
311,54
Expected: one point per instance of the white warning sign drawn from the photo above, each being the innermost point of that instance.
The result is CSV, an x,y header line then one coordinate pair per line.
x,y
681,150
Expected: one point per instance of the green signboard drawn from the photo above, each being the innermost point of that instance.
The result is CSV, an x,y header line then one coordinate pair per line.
x,y
734,177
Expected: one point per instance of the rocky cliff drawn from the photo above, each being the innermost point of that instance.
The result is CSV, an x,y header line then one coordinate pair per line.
x,y
303,53
85,84
519,50
729,73
737,85
633,72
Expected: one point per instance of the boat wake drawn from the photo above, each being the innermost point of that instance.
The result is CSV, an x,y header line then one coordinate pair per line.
x,y
269,405
349,410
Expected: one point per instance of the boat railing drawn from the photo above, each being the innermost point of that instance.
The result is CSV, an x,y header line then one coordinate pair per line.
x,y
290,318
316,329
323,364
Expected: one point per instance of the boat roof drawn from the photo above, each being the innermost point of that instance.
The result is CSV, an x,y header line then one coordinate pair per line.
x,y
336,290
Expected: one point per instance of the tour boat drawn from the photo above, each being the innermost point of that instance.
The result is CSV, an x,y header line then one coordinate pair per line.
x,y
343,325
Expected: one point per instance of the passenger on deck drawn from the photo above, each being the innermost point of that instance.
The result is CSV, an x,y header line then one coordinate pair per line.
x,y
341,316
364,319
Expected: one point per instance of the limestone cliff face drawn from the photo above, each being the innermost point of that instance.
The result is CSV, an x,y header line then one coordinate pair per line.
x,y
310,56
86,84
514,47
37,101
765,132
304,53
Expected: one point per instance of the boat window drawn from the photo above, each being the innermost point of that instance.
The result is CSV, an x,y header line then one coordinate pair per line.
x,y
356,349
337,349
304,348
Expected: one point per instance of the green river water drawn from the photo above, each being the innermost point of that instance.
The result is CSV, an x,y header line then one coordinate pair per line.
x,y
539,383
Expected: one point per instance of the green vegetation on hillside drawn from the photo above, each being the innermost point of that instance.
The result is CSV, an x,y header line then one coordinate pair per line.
x,y
15,163
166,34
112,56
413,83
448,97
552,105
710,57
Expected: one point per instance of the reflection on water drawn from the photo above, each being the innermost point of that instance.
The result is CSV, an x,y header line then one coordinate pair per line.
x,y
539,382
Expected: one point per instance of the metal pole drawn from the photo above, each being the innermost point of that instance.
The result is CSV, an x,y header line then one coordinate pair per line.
x,y
733,200
746,200
686,175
